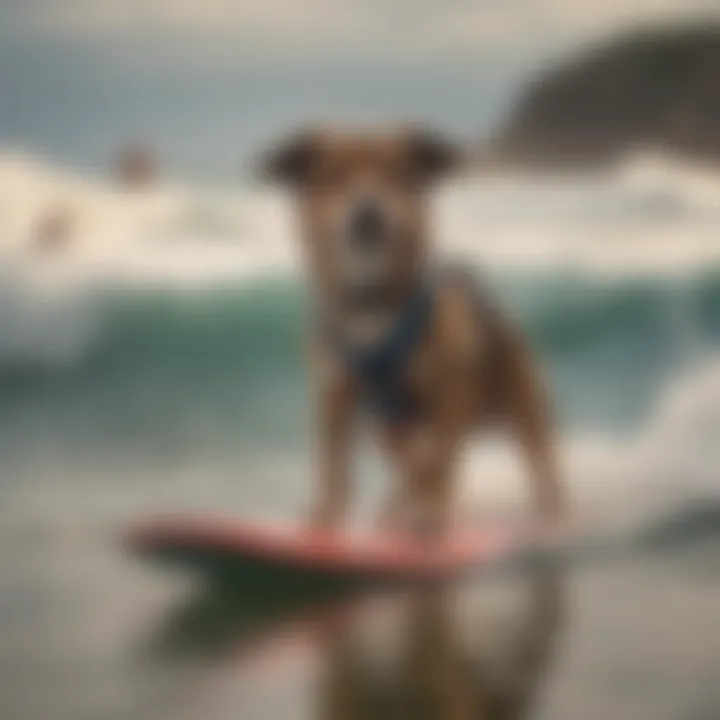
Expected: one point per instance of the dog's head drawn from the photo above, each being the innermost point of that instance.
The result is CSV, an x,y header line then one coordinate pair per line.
x,y
363,202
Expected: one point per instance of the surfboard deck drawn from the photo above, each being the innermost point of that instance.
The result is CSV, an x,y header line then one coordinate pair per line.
x,y
257,554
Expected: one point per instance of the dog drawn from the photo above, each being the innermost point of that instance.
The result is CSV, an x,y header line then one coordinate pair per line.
x,y
425,350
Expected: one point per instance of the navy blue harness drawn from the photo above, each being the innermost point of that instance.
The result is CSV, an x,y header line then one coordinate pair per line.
x,y
382,367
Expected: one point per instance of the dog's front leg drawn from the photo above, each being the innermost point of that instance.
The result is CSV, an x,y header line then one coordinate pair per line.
x,y
336,410
435,484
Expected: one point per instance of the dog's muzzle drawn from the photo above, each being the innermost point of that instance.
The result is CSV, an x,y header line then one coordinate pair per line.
x,y
367,226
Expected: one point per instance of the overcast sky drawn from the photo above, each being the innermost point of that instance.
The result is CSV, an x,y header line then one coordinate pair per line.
x,y
207,80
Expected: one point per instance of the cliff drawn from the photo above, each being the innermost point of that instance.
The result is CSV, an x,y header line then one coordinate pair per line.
x,y
657,88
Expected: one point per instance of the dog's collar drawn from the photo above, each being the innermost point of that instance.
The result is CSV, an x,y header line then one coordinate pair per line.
x,y
374,299
381,365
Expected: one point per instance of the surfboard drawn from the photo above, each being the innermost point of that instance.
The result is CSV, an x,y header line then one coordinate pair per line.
x,y
259,554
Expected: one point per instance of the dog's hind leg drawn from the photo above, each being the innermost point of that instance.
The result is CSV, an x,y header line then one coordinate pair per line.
x,y
530,417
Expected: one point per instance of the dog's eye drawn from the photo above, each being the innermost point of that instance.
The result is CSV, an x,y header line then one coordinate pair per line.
x,y
402,174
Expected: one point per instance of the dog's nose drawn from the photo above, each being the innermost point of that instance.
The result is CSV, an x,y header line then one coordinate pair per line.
x,y
367,225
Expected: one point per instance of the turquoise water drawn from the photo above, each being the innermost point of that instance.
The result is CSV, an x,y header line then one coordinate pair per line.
x,y
224,367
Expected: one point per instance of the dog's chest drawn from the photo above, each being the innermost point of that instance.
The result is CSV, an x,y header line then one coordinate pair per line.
x,y
401,370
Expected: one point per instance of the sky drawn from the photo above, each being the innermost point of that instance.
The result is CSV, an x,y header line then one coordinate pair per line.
x,y
207,82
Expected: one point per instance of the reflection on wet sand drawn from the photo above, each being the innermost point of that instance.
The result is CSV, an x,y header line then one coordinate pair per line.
x,y
436,672
422,654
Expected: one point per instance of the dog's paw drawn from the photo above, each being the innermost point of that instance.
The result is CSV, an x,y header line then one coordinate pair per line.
x,y
430,529
426,523
324,518
391,519
551,512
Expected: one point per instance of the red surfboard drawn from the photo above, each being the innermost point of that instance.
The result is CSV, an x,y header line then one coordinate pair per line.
x,y
253,553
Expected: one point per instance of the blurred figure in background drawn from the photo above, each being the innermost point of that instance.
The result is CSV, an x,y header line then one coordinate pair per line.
x,y
54,230
136,166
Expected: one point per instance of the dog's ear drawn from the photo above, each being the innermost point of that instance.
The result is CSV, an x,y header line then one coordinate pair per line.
x,y
292,160
432,155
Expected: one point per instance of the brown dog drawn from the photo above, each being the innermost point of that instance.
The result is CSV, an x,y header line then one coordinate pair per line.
x,y
425,348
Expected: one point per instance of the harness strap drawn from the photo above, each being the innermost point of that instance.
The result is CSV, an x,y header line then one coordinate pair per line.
x,y
381,366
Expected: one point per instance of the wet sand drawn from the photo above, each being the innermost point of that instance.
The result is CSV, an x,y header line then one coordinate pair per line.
x,y
88,632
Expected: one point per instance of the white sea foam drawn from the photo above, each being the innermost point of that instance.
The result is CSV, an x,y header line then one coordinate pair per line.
x,y
652,214
673,458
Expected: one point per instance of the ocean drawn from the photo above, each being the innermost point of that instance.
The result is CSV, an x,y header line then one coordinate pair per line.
x,y
157,364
